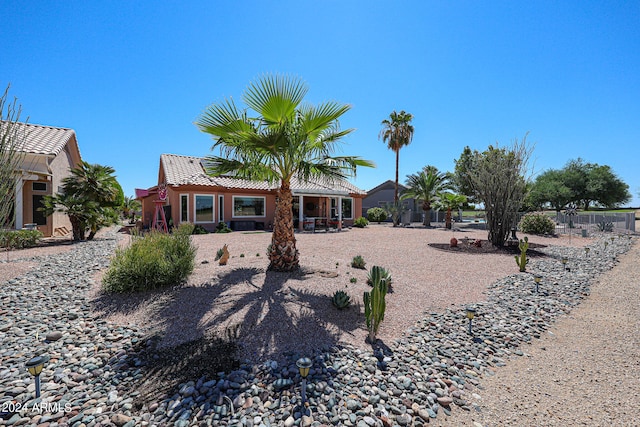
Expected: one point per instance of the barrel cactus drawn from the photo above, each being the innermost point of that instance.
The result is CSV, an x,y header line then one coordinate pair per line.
x,y
341,300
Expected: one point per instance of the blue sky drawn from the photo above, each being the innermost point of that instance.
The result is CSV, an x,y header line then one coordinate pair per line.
x,y
131,77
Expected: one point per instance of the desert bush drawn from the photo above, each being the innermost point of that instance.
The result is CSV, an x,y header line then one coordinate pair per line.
x,y
19,239
377,215
151,262
198,229
358,262
222,227
361,222
537,223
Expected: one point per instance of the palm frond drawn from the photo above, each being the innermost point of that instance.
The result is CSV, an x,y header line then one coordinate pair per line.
x,y
275,97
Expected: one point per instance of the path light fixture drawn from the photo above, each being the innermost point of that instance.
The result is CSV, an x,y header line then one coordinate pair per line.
x,y
34,366
606,244
471,313
612,239
537,278
565,260
586,251
304,365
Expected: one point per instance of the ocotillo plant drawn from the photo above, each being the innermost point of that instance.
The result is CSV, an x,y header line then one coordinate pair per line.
x,y
522,259
374,303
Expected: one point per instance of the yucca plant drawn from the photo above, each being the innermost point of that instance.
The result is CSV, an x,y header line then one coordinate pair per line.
x,y
341,300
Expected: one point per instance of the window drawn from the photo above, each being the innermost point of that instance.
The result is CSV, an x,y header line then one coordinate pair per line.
x,y
39,186
204,208
347,208
248,206
184,208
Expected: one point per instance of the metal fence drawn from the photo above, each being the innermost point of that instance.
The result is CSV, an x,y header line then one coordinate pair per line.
x,y
594,221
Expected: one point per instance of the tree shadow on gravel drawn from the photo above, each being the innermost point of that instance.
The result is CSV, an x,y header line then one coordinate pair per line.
x,y
245,313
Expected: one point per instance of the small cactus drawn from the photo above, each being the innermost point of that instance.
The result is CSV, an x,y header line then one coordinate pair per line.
x,y
522,259
341,300
382,272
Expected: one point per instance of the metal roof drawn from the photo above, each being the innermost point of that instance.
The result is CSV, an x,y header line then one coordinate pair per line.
x,y
189,170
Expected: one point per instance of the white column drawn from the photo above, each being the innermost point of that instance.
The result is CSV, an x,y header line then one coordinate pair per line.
x,y
300,212
340,213
18,224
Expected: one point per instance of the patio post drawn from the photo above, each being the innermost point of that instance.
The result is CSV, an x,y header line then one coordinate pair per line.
x,y
339,213
301,212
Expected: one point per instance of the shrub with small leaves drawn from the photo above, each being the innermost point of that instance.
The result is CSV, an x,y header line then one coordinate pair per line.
x,y
152,261
353,279
219,254
198,229
377,215
19,239
222,227
361,222
537,223
358,262
241,255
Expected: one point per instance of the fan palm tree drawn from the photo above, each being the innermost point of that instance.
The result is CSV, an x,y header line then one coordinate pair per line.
x,y
450,201
424,186
397,131
87,196
286,139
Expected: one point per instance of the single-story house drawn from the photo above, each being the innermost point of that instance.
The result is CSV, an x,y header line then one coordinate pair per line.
x,y
49,154
382,195
195,197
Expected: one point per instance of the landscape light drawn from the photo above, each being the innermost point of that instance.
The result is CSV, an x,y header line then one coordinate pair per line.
x,y
564,262
586,251
34,366
471,313
304,365
537,278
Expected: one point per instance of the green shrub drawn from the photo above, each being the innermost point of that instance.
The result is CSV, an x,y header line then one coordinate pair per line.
x,y
19,239
358,262
376,215
222,228
361,222
353,280
151,262
198,229
537,223
219,254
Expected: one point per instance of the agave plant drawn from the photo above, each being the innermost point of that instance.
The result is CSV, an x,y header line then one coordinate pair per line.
x,y
341,300
382,272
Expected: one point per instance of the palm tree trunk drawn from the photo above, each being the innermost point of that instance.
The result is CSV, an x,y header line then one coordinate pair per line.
x,y
447,221
395,194
283,255
427,218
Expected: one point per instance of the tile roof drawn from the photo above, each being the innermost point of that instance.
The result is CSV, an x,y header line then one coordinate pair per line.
x,y
189,170
45,140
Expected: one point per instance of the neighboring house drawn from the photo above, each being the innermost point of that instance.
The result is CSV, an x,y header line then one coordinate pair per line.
x,y
49,154
383,194
195,197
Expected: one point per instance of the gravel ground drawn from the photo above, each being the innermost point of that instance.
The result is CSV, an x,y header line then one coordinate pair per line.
x,y
433,372
583,371
279,312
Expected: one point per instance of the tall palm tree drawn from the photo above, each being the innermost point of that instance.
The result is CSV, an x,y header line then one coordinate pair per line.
x,y
397,131
285,139
450,201
424,186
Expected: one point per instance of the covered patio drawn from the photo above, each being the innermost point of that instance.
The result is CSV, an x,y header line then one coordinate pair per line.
x,y
321,210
